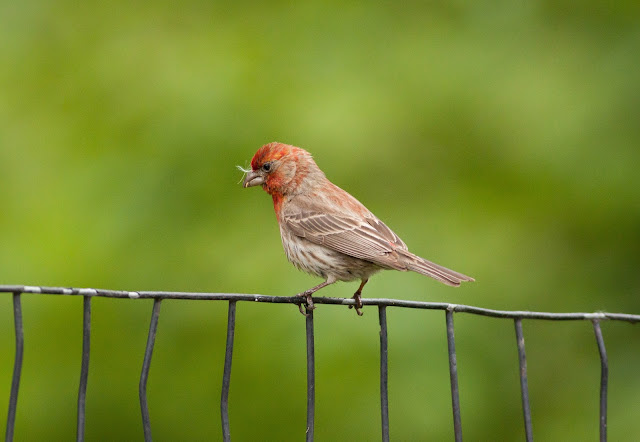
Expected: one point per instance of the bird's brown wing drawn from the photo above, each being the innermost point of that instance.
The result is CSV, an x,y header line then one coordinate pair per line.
x,y
366,238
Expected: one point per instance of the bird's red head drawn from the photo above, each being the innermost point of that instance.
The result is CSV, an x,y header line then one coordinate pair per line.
x,y
282,169
271,152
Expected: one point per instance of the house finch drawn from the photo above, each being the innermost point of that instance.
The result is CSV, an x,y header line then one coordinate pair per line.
x,y
327,232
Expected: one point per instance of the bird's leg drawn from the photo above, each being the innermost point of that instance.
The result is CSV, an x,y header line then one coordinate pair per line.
x,y
307,294
357,296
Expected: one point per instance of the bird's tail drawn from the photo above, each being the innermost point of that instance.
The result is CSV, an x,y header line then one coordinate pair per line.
x,y
437,272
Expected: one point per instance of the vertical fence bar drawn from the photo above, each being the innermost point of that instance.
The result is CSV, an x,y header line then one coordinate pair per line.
x,y
146,364
604,380
84,369
226,377
17,367
524,384
384,377
311,377
453,374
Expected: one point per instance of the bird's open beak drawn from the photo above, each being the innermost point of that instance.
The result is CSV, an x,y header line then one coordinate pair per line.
x,y
253,178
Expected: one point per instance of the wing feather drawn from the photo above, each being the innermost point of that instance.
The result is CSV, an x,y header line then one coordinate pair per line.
x,y
369,238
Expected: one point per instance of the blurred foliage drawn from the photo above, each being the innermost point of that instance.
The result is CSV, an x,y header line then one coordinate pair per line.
x,y
497,138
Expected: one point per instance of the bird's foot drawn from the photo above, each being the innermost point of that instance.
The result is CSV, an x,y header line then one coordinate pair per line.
x,y
358,305
308,304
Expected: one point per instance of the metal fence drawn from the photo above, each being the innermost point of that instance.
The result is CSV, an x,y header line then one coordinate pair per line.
x,y
232,299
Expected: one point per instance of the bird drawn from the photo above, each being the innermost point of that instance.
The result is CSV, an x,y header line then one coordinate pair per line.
x,y
325,231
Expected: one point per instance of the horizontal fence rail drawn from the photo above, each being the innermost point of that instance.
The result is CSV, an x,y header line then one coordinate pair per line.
x,y
233,298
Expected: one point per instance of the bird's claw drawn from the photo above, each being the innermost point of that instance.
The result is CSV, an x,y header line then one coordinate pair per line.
x,y
308,303
358,304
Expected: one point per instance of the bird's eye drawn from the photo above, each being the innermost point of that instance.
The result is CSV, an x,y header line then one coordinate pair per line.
x,y
266,167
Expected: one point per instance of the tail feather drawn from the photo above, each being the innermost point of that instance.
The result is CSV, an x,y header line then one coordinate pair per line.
x,y
435,271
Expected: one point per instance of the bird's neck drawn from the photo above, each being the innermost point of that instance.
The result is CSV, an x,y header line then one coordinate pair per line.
x,y
278,200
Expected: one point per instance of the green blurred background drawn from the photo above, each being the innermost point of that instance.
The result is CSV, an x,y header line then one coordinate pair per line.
x,y
498,139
